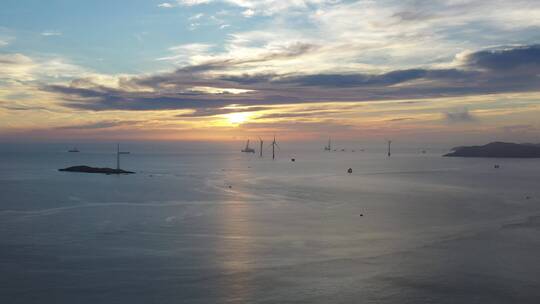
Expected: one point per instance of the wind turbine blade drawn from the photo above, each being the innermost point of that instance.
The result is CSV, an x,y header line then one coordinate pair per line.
x,y
278,146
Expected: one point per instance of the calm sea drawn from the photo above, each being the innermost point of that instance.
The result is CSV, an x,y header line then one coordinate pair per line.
x,y
208,224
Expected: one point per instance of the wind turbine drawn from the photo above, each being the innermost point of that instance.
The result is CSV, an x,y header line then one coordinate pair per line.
x,y
329,147
118,153
274,145
261,148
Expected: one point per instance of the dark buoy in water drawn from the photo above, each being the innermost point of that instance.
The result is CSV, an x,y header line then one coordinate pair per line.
x,y
230,187
496,166
293,160
349,171
361,214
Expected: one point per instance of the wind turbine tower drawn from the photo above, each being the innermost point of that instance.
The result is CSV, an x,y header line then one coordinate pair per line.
x,y
329,146
389,145
118,153
261,148
274,145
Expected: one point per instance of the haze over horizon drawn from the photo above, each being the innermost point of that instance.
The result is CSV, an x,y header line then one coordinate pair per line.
x,y
444,71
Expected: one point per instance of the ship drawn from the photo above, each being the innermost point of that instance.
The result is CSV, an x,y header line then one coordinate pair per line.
x,y
247,149
73,150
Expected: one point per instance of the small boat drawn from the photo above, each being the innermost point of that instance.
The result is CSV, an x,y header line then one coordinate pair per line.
x,y
247,149
73,150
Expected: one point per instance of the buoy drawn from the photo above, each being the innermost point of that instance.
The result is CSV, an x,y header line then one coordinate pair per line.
x,y
349,171
496,166
361,214
292,159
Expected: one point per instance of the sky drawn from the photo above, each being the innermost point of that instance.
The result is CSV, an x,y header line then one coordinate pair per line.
x,y
448,71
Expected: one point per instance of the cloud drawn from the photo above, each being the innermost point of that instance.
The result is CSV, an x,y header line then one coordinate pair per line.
x,y
299,115
196,17
461,116
99,125
509,58
193,2
177,90
206,112
185,53
355,80
400,119
209,62
51,33
519,128
248,13
14,106
19,68
166,5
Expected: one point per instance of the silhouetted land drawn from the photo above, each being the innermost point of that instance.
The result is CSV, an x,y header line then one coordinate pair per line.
x,y
86,169
498,149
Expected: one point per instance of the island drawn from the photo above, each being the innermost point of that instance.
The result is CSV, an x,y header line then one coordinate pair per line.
x,y
87,169
498,150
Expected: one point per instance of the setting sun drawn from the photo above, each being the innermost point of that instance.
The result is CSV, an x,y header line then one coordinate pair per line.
x,y
237,118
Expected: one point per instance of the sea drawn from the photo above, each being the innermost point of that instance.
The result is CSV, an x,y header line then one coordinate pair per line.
x,y
205,223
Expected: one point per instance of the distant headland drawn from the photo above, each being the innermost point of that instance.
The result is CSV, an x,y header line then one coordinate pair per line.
x,y
498,149
87,169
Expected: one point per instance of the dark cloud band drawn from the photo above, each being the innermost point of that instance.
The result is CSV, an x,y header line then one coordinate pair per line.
x,y
510,69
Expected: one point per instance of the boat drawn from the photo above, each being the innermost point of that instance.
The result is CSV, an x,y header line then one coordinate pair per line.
x,y
73,150
247,149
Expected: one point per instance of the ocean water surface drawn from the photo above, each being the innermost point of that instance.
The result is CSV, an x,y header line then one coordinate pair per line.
x,y
201,224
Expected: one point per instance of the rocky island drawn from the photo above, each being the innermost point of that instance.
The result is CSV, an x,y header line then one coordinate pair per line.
x,y
87,169
499,150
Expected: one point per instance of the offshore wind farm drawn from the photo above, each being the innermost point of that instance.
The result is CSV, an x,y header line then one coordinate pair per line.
x,y
267,223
